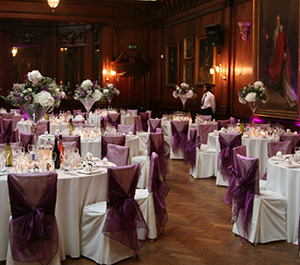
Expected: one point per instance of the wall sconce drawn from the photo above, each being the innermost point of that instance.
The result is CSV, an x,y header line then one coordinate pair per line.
x,y
218,69
14,51
244,29
108,75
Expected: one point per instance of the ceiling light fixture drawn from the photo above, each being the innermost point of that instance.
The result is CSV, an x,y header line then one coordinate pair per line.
x,y
53,4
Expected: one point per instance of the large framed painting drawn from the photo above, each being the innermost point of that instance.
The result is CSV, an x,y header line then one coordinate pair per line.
x,y
204,60
276,55
172,64
188,73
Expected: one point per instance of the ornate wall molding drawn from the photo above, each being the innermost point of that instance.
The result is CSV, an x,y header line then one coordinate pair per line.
x,y
32,38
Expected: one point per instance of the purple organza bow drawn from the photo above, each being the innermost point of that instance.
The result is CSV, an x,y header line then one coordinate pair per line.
x,y
190,150
179,140
160,191
124,221
33,220
32,228
115,122
244,193
226,155
158,148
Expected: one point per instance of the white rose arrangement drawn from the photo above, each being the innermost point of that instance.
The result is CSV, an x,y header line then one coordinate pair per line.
x,y
88,90
184,89
36,89
253,92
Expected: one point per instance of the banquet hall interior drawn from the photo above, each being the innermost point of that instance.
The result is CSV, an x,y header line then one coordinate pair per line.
x,y
149,60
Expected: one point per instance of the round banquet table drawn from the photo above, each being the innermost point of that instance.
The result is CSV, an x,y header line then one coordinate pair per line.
x,y
73,193
25,126
94,146
285,180
256,147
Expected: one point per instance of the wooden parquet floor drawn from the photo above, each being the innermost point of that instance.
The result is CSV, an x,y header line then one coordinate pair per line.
x,y
199,230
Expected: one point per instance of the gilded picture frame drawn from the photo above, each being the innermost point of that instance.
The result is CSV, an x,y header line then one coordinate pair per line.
x,y
205,58
188,73
188,48
172,64
276,55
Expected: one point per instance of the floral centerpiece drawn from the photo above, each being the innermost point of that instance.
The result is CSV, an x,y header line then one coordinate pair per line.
x,y
109,91
253,94
184,91
36,95
36,89
88,93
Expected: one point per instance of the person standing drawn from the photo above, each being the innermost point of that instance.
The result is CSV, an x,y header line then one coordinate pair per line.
x,y
208,103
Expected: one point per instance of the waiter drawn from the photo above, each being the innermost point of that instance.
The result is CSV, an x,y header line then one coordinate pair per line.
x,y
208,103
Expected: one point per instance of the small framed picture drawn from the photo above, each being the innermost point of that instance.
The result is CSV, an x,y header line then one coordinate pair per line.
x,y
188,48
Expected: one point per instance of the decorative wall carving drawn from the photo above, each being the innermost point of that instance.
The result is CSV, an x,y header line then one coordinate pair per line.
x,y
20,38
74,38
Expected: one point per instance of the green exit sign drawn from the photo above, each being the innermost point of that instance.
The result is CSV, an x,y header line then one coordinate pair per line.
x,y
132,47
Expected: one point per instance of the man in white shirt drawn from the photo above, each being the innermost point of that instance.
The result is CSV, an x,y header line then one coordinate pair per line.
x,y
208,103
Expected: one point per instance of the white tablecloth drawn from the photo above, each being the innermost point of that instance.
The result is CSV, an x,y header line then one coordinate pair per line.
x,y
73,193
25,126
286,181
256,147
94,146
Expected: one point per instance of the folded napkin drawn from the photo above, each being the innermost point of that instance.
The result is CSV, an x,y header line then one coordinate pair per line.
x,y
79,118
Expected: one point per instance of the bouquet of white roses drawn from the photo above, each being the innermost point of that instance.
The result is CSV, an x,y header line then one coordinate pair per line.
x,y
110,90
36,89
253,92
184,90
88,90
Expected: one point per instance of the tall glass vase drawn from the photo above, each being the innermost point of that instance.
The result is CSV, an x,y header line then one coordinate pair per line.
x,y
253,106
35,113
109,98
183,99
88,104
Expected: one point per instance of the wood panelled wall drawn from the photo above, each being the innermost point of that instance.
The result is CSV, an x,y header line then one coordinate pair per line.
x,y
152,29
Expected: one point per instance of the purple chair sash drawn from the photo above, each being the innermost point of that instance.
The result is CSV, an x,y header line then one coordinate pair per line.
x,y
114,119
26,139
118,154
33,228
160,190
124,221
247,178
126,128
15,120
294,138
154,124
179,136
156,144
190,149
223,123
73,138
241,150
111,139
132,111
145,117
138,124
205,129
284,146
7,126
227,143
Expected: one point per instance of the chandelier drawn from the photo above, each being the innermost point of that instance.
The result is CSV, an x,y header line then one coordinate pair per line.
x,y
53,3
